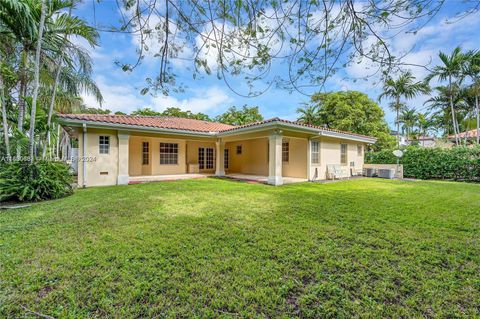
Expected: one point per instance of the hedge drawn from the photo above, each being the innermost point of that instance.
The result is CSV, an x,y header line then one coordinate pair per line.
x,y
457,163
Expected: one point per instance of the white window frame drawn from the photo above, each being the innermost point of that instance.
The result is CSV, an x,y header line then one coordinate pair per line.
x,y
315,153
169,153
285,151
343,161
104,144
145,153
226,158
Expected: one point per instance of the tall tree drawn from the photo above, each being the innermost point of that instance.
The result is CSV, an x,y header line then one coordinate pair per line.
x,y
18,22
36,80
425,123
308,114
4,117
473,71
241,116
409,118
354,112
451,71
403,87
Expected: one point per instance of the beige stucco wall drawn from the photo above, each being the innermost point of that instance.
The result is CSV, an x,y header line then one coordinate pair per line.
x,y
254,157
297,164
330,154
253,160
100,163
136,167
192,153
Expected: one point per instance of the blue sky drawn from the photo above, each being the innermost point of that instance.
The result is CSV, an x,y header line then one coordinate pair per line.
x,y
211,96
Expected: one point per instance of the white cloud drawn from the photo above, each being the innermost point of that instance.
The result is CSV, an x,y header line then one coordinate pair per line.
x,y
203,100
126,98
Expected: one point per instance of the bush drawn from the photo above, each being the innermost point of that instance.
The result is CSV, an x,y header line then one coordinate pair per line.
x,y
40,180
458,163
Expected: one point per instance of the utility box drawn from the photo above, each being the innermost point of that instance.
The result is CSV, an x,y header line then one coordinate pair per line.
x,y
386,173
369,172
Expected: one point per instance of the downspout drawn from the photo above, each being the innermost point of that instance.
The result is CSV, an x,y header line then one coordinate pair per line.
x,y
84,152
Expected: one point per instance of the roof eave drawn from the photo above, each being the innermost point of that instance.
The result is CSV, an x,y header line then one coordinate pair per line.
x,y
137,128
299,128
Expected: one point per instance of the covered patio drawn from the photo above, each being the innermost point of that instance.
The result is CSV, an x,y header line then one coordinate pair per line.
x,y
233,176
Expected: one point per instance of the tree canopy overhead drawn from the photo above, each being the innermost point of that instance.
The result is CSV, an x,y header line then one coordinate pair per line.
x,y
311,40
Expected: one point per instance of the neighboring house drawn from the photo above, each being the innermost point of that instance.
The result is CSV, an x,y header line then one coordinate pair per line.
x,y
470,136
423,141
115,148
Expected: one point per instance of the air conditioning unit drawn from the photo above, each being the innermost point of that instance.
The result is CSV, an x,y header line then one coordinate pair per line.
x,y
386,173
369,172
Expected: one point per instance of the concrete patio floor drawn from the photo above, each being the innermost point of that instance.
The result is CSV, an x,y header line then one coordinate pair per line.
x,y
240,177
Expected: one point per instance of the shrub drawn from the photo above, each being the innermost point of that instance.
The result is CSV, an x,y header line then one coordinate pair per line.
x,y
40,180
458,163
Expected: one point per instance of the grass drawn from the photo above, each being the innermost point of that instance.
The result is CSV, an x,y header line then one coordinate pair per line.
x,y
218,248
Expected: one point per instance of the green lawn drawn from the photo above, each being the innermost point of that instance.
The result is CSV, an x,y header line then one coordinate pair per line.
x,y
218,248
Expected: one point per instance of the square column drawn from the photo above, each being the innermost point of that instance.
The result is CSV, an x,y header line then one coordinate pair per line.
x,y
219,158
122,178
275,159
309,158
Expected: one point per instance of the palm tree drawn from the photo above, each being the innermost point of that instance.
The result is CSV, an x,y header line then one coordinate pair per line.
x,y
308,114
425,123
402,87
409,119
17,22
452,72
64,66
77,27
36,80
440,104
473,71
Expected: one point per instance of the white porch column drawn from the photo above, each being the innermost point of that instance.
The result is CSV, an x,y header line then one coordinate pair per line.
x,y
219,162
122,178
309,158
275,159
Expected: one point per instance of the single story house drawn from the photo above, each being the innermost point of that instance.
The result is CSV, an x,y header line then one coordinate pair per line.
x,y
117,149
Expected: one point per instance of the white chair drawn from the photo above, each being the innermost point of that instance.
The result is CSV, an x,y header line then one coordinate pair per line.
x,y
336,171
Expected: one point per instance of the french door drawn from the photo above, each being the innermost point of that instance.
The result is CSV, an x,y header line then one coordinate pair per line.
x,y
205,158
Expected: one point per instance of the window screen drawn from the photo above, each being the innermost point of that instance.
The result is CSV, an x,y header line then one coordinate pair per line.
x,y
168,153
285,151
343,154
104,144
145,153
315,152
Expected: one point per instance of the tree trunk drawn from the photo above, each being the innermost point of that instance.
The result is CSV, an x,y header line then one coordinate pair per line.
x,y
50,109
478,119
36,80
452,109
398,123
55,85
22,92
4,120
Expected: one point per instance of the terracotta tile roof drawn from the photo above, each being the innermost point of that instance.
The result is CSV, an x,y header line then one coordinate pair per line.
x,y
152,121
186,124
276,119
469,134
